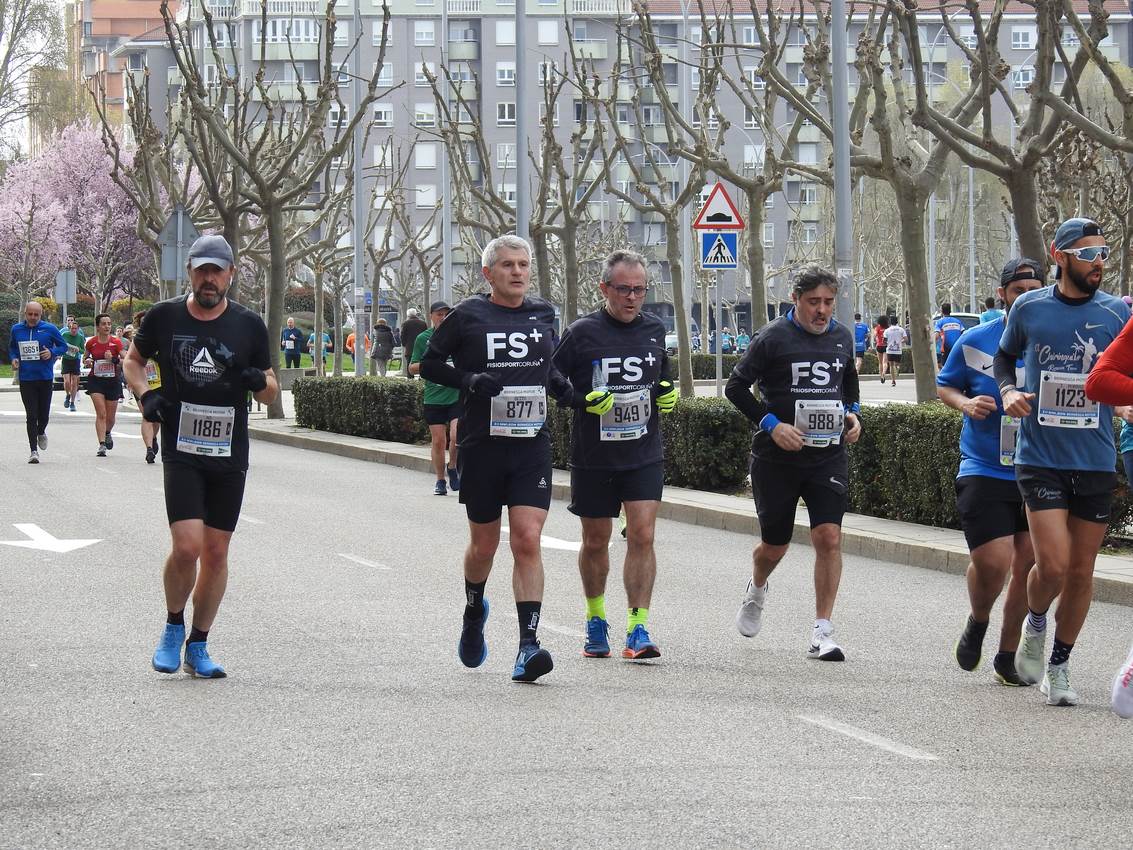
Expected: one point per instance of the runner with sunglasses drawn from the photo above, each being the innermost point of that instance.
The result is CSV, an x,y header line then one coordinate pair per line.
x,y
1065,459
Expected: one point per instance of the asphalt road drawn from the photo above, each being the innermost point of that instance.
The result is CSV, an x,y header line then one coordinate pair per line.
x,y
347,721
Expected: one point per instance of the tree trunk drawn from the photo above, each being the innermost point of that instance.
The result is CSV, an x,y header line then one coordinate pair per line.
x,y
911,205
232,235
680,317
755,260
1025,203
277,278
542,266
570,272
320,320
336,332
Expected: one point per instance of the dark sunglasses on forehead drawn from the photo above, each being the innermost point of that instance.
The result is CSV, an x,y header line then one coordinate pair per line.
x,y
1088,255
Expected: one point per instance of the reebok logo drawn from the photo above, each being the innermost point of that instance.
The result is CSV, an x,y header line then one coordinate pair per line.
x,y
203,364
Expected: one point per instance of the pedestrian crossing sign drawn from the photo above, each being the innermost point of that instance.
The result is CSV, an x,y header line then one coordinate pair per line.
x,y
718,249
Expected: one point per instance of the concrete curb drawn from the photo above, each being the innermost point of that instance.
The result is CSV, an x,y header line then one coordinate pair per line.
x,y
942,550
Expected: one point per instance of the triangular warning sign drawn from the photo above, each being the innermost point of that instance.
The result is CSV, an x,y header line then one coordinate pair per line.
x,y
718,254
718,213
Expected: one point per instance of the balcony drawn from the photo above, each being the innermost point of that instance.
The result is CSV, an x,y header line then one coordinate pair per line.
x,y
302,52
591,48
297,8
657,133
465,89
463,51
464,7
286,90
598,7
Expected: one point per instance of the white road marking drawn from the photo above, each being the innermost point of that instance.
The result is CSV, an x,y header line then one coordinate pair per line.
x,y
355,559
560,630
868,737
128,436
40,539
252,520
547,542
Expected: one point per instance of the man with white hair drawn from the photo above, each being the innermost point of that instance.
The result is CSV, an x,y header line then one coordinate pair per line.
x,y
501,345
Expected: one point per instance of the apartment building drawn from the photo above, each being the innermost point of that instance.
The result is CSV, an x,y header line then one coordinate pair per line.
x,y
476,40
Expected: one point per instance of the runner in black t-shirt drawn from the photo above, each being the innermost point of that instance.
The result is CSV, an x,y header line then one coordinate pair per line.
x,y
501,345
210,352
803,366
615,360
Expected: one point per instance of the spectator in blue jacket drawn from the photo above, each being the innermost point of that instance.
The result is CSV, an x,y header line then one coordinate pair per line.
x,y
33,349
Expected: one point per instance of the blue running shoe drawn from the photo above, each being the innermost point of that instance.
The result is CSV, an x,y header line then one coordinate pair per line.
x,y
453,479
167,656
597,638
472,648
199,665
639,646
532,662
439,489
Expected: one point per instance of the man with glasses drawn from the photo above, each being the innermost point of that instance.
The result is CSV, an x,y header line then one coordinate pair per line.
x,y
806,413
616,363
1065,457
501,345
987,497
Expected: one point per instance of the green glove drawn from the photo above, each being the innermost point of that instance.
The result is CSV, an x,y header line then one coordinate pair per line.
x,y
599,402
666,396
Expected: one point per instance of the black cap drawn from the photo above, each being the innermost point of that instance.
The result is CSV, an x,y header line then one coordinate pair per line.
x,y
439,305
1073,229
1011,271
211,250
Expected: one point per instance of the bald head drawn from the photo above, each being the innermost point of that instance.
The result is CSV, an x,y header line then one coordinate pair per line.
x,y
33,312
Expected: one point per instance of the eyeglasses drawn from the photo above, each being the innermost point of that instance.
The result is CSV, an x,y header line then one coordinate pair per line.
x,y
627,291
1088,255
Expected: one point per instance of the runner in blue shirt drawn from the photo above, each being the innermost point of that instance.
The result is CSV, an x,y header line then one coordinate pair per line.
x,y
32,349
946,331
861,340
1065,461
987,498
991,313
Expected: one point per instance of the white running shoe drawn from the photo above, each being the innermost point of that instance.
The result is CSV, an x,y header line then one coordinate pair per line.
x,y
42,440
823,647
34,457
1121,698
749,618
1056,685
1030,654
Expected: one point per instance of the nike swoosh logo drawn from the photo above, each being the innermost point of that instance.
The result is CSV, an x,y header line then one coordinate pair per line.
x,y
1090,327
985,368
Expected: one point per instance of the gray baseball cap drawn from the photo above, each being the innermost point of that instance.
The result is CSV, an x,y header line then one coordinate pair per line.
x,y
211,250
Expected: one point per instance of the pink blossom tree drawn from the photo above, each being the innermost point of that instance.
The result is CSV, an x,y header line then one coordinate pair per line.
x,y
32,231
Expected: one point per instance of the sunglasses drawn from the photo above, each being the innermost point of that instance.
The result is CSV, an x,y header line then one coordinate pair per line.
x,y
1088,255
627,291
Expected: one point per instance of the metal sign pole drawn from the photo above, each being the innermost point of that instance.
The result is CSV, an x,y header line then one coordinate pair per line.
x,y
719,344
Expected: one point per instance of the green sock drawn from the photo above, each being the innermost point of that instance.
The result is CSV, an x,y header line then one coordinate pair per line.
x,y
636,617
596,607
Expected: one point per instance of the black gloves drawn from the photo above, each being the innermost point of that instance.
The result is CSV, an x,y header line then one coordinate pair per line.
x,y
253,379
155,406
482,384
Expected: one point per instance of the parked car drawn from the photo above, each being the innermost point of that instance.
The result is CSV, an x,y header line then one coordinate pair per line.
x,y
671,339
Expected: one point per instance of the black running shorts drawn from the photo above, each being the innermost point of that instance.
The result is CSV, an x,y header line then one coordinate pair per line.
x,y
441,414
69,366
777,488
109,388
214,496
989,508
504,471
1086,494
601,492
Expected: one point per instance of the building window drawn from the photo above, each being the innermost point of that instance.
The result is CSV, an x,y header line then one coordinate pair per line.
x,y
425,155
424,33
753,156
426,195
505,73
547,72
808,194
1023,38
425,114
505,155
505,114
419,76
383,156
376,37
749,36
768,234
136,61
383,114
652,115
654,233
341,33
385,76
460,72
505,32
507,192
807,153
554,114
549,32
1024,76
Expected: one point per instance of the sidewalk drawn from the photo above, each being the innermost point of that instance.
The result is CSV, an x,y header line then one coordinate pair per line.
x,y
940,549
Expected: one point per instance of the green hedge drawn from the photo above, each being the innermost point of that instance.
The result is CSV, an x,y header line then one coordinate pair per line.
x,y
704,366
903,467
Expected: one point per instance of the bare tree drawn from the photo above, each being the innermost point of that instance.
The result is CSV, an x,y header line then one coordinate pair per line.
x,y
31,36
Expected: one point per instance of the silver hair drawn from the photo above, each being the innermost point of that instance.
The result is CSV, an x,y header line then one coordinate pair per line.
x,y
492,249
811,277
630,258
411,312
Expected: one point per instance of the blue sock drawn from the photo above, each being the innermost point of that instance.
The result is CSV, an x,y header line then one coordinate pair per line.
x,y
1060,653
1037,622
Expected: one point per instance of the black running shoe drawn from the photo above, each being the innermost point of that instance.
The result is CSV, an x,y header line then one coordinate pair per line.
x,y
1004,664
472,647
969,647
532,662
150,455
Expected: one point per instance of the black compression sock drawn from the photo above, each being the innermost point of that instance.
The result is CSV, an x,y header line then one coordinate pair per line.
x,y
175,618
528,620
1060,652
976,628
474,597
197,636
